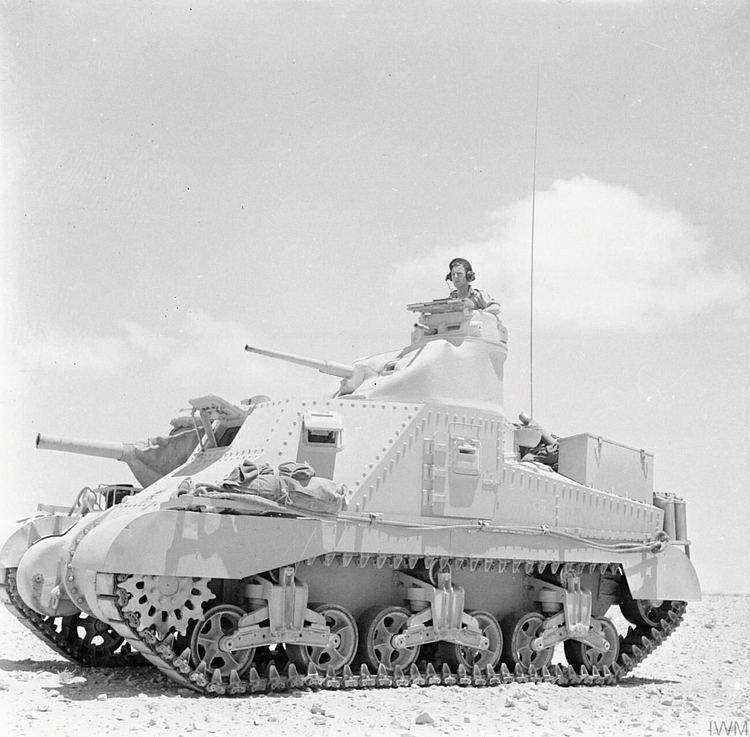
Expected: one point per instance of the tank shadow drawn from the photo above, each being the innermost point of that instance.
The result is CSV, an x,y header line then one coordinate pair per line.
x,y
80,683
633,682
48,666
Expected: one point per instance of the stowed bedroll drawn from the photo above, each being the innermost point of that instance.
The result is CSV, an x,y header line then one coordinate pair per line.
x,y
402,531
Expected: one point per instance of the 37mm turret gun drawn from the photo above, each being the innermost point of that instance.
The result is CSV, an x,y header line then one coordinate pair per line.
x,y
344,370
353,375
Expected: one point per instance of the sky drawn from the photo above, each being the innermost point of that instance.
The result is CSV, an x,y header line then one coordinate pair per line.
x,y
178,180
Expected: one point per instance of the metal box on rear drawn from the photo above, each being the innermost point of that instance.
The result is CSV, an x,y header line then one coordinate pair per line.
x,y
608,466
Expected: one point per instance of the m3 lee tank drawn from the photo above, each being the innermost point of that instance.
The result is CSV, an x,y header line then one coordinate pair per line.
x,y
402,531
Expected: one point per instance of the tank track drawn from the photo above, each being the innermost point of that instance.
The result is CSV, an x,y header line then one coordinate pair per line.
x,y
62,641
174,661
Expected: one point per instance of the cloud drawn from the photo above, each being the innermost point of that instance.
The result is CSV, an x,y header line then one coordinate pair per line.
x,y
605,259
96,355
197,341
204,348
194,351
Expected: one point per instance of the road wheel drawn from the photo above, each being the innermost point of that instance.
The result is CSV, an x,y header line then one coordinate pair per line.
x,y
377,626
520,629
579,653
456,654
339,653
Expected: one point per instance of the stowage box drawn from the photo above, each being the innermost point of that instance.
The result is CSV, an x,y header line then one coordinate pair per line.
x,y
608,466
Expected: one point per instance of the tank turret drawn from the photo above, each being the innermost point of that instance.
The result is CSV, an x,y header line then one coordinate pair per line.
x,y
456,356
441,541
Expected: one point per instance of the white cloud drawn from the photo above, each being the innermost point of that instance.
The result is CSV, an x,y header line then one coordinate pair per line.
x,y
196,344
605,258
146,342
204,348
100,355
196,352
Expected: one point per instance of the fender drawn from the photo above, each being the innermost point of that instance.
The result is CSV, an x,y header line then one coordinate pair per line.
x,y
31,531
668,576
184,543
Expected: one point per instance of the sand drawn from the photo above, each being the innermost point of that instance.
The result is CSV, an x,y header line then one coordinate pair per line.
x,y
696,683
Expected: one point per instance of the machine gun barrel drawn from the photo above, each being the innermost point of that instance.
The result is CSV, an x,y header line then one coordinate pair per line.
x,y
84,447
344,370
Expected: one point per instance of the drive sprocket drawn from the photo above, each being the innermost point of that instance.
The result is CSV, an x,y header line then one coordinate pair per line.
x,y
165,603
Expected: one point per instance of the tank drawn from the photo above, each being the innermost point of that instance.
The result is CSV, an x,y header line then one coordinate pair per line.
x,y
403,530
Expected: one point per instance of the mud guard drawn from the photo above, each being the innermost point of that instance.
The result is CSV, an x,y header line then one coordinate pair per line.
x,y
32,530
177,543
667,576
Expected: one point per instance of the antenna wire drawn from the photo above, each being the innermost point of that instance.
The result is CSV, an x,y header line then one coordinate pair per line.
x,y
531,287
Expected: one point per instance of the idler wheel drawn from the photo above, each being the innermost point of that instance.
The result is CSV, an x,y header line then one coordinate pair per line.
x,y
339,653
377,626
219,622
644,612
579,653
456,654
520,629
95,640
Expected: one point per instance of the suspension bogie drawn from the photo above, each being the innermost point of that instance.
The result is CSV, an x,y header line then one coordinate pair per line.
x,y
472,620
382,615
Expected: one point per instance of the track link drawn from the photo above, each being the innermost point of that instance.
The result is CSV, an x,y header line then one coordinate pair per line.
x,y
635,646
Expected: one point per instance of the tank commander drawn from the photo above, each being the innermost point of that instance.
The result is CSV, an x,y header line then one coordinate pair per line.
x,y
461,275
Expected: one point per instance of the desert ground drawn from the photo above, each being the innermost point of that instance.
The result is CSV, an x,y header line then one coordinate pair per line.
x,y
696,683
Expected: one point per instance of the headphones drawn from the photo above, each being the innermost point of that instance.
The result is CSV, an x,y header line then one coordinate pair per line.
x,y
470,275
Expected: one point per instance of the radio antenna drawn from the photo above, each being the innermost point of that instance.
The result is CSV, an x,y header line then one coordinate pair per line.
x,y
533,212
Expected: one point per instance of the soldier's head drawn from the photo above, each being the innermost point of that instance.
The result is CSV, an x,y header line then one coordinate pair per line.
x,y
460,273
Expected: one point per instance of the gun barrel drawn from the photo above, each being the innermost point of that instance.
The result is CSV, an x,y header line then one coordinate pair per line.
x,y
84,447
344,370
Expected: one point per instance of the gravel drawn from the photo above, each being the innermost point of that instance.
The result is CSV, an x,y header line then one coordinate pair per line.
x,y
696,683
